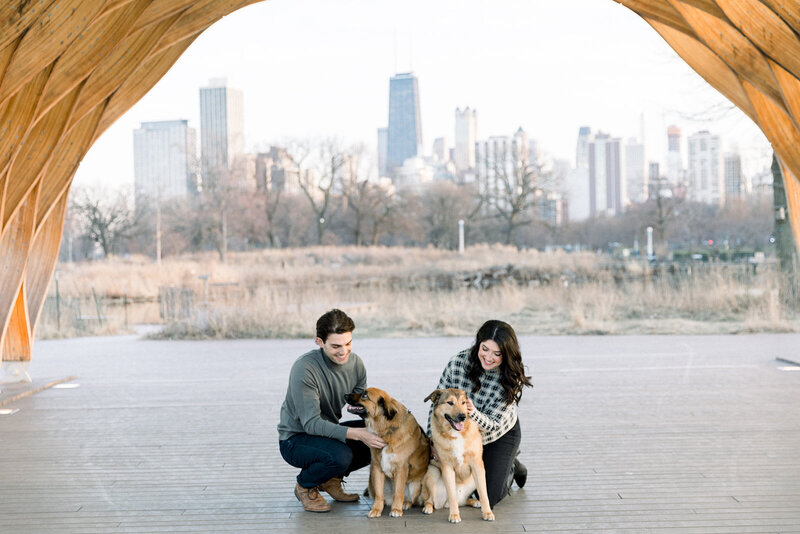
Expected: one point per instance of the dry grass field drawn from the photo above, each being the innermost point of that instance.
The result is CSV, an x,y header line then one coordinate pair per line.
x,y
416,292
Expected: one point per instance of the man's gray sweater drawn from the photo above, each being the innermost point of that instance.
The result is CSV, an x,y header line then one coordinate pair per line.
x,y
315,396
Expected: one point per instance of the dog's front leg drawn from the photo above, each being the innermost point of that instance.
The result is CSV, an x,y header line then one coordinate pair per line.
x,y
378,479
400,477
429,489
449,477
479,473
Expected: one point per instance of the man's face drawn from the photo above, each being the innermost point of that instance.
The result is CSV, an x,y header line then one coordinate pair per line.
x,y
337,347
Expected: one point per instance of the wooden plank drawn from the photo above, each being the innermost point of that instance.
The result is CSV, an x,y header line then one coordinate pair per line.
x,y
766,30
15,18
28,164
15,343
733,47
161,9
87,51
47,37
43,258
788,10
624,446
115,68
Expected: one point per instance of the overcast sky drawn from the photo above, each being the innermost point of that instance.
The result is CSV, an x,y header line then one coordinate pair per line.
x,y
322,67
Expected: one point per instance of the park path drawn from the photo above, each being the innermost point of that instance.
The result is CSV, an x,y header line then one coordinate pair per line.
x,y
672,434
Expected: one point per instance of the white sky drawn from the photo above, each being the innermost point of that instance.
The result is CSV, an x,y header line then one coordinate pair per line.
x,y
322,67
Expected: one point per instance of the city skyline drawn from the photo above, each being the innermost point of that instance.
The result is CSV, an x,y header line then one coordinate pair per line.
x,y
568,79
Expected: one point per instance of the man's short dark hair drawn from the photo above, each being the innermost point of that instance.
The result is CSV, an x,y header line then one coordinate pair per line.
x,y
334,322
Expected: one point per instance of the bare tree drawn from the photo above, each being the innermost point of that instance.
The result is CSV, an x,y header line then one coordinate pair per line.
x,y
107,217
510,189
663,208
320,164
442,205
369,202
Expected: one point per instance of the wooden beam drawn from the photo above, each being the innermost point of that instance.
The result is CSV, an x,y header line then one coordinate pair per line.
x,y
15,246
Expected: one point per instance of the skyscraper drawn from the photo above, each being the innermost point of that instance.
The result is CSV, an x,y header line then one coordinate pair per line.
x,y
607,188
635,175
706,172
674,159
164,160
466,134
578,196
404,136
441,152
582,150
221,130
736,186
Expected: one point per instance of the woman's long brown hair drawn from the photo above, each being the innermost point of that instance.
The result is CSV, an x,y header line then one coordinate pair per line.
x,y
512,376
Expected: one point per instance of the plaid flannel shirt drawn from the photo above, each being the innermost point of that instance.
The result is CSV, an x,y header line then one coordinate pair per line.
x,y
493,416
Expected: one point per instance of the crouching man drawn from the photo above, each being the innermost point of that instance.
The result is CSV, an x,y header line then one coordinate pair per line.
x,y
311,436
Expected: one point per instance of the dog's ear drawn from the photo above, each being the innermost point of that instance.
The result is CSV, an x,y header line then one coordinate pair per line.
x,y
390,412
434,396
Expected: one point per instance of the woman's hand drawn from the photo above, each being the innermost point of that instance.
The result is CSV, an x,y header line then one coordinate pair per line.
x,y
470,406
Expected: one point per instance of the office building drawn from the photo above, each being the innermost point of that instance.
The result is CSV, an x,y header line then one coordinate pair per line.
x,y
582,150
674,159
164,160
466,135
441,152
736,186
404,135
221,131
607,186
706,174
635,175
577,188
276,170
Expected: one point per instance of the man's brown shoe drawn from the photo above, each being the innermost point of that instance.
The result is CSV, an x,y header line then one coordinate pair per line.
x,y
311,500
333,487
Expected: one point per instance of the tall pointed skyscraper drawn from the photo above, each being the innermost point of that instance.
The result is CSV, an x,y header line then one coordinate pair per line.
x,y
221,129
404,136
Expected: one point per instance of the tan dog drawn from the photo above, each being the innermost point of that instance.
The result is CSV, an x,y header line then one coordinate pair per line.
x,y
460,470
404,460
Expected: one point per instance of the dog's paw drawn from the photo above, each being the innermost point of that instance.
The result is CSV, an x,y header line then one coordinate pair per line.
x,y
475,503
454,518
396,513
427,508
488,516
406,505
374,513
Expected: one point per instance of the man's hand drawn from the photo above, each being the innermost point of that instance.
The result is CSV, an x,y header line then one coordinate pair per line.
x,y
368,438
470,407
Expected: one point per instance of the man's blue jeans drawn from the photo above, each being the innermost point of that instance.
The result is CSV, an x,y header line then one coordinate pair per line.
x,y
321,459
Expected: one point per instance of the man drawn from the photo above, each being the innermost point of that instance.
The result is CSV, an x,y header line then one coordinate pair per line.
x,y
309,431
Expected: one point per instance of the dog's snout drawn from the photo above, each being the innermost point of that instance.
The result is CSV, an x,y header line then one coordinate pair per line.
x,y
461,417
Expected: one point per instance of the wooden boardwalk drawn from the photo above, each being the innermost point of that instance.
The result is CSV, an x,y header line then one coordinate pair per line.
x,y
621,434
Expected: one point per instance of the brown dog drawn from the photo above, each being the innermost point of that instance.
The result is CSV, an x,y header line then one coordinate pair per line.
x,y
460,470
404,460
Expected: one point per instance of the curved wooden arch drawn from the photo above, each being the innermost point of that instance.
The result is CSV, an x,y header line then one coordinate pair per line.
x,y
70,68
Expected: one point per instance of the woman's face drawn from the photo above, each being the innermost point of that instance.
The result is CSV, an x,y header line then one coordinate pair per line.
x,y
489,355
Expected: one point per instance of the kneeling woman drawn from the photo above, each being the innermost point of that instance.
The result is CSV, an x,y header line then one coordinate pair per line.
x,y
492,374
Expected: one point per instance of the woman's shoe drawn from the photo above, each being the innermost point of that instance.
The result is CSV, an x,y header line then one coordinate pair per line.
x,y
520,473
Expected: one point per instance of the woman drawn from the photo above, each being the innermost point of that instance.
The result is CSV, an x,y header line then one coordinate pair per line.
x,y
492,374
